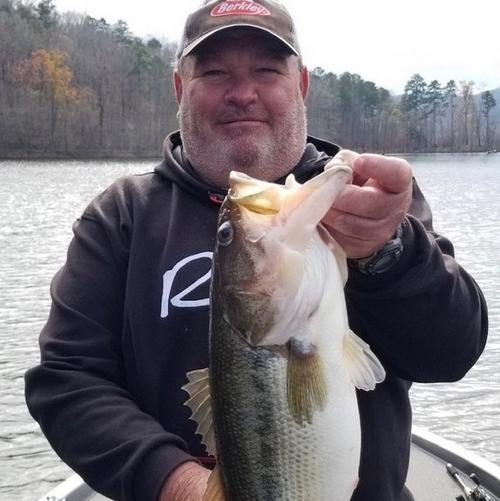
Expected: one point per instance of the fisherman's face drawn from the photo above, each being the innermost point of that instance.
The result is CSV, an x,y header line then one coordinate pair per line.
x,y
241,107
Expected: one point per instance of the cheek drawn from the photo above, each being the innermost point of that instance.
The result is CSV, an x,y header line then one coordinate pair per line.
x,y
279,99
204,101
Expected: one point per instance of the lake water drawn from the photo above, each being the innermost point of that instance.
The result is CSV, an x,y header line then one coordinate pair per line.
x,y
40,200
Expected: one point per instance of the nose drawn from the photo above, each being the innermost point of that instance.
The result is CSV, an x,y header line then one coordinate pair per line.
x,y
242,91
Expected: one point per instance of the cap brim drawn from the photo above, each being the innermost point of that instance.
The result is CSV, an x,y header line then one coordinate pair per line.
x,y
189,48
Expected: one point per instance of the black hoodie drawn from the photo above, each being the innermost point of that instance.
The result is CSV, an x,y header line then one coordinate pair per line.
x,y
129,318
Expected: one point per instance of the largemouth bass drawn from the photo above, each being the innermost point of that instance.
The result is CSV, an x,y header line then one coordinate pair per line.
x,y
277,406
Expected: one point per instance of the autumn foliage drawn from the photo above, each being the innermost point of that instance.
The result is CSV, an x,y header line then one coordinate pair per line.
x,y
46,72
73,85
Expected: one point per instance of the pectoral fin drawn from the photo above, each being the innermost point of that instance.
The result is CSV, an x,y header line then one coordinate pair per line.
x,y
200,404
215,487
362,364
306,381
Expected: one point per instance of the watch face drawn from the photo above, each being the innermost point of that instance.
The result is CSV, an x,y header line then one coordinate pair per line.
x,y
383,259
386,260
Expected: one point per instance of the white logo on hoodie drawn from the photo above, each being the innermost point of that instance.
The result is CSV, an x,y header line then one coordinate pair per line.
x,y
178,300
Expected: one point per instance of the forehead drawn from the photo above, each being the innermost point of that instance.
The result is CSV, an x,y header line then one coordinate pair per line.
x,y
255,41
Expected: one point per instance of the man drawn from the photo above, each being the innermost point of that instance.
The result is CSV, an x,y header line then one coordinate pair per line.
x,y
130,311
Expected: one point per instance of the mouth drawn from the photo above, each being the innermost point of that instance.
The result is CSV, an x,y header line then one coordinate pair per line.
x,y
229,117
242,121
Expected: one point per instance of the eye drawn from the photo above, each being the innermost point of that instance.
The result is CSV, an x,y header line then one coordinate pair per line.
x,y
211,73
225,234
268,70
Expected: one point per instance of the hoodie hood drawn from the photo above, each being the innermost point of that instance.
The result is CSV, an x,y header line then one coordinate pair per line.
x,y
176,167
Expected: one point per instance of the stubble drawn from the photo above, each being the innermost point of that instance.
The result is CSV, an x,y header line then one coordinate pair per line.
x,y
267,156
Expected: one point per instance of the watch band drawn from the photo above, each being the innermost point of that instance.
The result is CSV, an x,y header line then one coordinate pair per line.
x,y
382,260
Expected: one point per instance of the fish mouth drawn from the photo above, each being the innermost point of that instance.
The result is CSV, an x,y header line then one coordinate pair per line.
x,y
298,208
256,196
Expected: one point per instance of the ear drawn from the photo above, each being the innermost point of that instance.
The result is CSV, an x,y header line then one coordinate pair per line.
x,y
304,81
178,86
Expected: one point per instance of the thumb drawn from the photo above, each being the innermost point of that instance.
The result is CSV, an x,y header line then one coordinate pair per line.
x,y
392,174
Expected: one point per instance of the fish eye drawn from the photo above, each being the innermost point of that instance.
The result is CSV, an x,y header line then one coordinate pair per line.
x,y
225,234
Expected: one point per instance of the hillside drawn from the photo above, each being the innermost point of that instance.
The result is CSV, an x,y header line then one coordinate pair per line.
x,y
75,86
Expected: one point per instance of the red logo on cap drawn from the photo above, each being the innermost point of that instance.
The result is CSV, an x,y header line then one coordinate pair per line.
x,y
238,7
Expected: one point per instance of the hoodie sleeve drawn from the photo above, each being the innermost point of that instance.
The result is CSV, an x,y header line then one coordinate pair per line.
x,y
78,393
426,317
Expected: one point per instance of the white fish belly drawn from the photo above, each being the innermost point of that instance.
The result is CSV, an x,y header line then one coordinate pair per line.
x,y
320,461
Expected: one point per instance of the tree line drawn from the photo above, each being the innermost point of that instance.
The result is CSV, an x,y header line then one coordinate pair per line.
x,y
73,85
427,117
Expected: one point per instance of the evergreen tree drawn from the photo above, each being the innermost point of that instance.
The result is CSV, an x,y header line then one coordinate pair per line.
x,y
414,95
434,102
488,103
123,33
78,86
46,13
467,95
450,106
412,107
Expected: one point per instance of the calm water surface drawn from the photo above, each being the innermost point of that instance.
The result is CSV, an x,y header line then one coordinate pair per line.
x,y
40,200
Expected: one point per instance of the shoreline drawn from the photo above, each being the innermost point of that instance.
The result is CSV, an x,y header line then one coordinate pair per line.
x,y
66,158
158,157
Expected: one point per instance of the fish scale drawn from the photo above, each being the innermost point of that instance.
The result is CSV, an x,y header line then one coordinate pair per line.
x,y
263,452
244,416
284,365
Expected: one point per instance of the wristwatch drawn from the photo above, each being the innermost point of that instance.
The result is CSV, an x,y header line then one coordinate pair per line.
x,y
382,260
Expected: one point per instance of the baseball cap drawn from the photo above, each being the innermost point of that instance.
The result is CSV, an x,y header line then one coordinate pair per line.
x,y
215,16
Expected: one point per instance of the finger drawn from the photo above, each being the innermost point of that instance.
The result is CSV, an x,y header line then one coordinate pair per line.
x,y
392,174
367,201
361,228
353,245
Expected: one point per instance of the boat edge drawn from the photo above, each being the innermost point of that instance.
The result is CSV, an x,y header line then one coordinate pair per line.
x,y
75,489
462,458
72,489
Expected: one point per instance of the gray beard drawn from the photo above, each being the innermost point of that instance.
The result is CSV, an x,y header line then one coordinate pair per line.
x,y
213,158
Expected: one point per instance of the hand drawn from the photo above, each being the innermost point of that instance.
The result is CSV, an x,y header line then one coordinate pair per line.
x,y
368,211
187,482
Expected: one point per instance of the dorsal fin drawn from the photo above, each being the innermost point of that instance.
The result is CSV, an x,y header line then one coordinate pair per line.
x,y
200,404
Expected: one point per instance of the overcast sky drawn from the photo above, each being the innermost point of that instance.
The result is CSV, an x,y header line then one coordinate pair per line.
x,y
385,41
